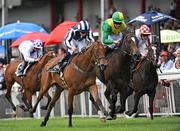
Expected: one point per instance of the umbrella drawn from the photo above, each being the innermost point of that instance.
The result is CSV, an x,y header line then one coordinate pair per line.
x,y
57,35
2,52
15,30
169,36
30,36
151,17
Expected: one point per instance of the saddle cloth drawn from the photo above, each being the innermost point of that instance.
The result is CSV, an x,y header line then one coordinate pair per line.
x,y
19,68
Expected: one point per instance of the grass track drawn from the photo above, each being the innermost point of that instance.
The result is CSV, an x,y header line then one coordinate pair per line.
x,y
93,124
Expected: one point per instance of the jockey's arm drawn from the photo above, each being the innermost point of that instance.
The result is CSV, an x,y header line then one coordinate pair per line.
x,y
106,32
28,58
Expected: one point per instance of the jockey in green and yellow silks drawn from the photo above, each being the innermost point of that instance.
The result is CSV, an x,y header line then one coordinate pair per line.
x,y
112,29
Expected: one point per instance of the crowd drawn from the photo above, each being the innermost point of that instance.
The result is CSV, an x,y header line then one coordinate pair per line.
x,y
169,59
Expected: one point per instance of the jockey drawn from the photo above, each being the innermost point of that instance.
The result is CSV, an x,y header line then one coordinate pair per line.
x,y
112,30
30,51
143,35
76,40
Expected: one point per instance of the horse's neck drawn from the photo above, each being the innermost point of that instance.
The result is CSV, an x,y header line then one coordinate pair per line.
x,y
120,61
84,61
39,66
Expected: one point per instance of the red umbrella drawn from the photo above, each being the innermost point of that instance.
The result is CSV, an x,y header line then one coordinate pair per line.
x,y
30,36
57,35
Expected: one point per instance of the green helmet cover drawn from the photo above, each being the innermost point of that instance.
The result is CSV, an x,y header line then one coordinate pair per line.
x,y
118,17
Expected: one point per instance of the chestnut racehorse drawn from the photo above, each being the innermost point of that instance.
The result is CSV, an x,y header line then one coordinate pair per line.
x,y
79,76
30,82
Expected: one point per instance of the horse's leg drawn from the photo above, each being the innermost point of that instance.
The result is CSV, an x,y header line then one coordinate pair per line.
x,y
124,93
70,105
137,96
94,103
110,91
94,92
51,105
151,99
8,95
41,94
27,99
48,101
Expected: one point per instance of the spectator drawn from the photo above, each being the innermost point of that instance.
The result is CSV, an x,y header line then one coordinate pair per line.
x,y
177,53
171,49
166,64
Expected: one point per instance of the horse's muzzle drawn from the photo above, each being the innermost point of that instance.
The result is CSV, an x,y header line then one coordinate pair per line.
x,y
136,57
102,65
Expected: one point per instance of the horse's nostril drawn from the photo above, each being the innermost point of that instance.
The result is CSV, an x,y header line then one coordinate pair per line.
x,y
102,67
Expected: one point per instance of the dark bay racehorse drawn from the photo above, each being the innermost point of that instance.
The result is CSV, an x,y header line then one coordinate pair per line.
x,y
145,80
79,76
30,82
117,72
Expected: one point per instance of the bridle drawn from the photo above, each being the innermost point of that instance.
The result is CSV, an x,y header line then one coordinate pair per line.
x,y
94,60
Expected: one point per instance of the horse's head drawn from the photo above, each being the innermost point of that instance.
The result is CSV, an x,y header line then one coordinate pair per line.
x,y
151,56
98,52
130,46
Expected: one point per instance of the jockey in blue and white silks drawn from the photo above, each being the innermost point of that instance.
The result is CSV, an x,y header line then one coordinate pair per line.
x,y
78,38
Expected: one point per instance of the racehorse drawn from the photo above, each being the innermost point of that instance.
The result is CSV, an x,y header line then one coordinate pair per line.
x,y
145,80
117,73
30,82
78,76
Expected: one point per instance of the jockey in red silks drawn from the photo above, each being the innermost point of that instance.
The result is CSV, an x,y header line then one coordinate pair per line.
x,y
144,37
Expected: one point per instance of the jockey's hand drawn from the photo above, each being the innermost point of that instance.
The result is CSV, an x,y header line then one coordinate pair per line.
x,y
75,51
117,43
83,49
37,59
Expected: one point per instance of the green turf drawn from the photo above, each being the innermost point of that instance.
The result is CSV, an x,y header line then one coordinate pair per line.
x,y
93,124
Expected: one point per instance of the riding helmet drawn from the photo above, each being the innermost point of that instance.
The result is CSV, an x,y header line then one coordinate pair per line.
x,y
37,43
144,29
118,17
83,26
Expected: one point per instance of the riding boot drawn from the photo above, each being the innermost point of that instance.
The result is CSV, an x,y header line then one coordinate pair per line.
x,y
60,65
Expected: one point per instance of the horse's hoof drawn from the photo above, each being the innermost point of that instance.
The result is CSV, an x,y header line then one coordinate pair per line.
x,y
43,124
103,119
114,117
70,126
14,114
108,117
23,108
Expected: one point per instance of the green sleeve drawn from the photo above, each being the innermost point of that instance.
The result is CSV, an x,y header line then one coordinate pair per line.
x,y
106,29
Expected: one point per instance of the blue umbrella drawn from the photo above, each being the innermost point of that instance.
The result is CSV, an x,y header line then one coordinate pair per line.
x,y
2,51
151,17
15,30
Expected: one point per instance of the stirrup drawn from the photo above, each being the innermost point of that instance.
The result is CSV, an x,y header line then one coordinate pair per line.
x,y
55,69
19,74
